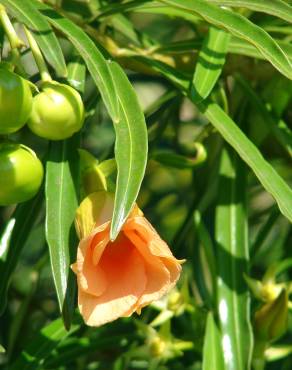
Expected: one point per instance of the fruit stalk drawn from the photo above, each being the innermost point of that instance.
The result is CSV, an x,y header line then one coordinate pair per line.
x,y
14,40
38,57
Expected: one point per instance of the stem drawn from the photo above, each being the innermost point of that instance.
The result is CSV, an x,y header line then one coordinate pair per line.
x,y
14,40
16,62
38,57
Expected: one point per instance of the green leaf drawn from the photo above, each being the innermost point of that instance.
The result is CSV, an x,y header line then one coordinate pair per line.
x,y
265,173
25,12
130,149
41,345
13,240
242,47
88,50
235,46
62,174
210,62
212,352
277,8
151,7
240,27
205,252
232,262
77,74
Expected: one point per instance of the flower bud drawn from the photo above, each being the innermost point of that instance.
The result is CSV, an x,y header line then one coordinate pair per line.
x,y
271,319
157,346
21,173
57,112
15,101
264,291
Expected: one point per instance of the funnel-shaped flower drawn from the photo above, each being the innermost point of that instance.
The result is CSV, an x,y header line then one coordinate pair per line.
x,y
118,278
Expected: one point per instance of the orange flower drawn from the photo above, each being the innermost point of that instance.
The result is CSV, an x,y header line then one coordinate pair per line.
x,y
118,278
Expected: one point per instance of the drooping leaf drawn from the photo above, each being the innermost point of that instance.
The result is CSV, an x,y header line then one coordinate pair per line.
x,y
240,27
277,8
25,12
62,193
265,173
62,173
130,148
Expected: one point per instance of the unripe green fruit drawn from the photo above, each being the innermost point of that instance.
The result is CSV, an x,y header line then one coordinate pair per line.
x,y
21,173
57,112
15,101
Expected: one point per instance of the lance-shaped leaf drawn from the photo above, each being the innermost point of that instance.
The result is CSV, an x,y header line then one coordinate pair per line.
x,y
277,8
246,149
77,74
26,13
212,352
130,149
210,62
238,26
62,171
232,262
62,192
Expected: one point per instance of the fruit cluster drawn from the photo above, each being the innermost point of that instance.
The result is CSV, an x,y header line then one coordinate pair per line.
x,y
55,113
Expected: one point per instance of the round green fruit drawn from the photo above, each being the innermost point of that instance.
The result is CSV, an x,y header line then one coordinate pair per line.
x,y
15,101
21,173
57,112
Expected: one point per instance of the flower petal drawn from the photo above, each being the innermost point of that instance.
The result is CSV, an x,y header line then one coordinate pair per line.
x,y
126,278
91,278
150,245
146,231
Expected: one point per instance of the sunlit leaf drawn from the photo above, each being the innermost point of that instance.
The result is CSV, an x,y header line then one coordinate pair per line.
x,y
130,149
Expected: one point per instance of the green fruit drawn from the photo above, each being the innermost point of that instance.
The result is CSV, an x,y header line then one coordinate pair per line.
x,y
57,112
15,101
21,173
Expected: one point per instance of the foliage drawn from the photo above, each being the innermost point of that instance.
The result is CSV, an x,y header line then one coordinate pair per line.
x,y
188,113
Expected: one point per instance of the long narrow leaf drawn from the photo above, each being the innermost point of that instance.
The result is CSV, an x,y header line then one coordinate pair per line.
x,y
240,27
232,259
235,46
25,12
77,74
212,352
130,149
61,204
210,63
266,174
277,8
